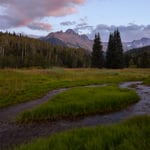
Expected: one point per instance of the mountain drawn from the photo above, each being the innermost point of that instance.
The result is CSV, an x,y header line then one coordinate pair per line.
x,y
70,39
137,43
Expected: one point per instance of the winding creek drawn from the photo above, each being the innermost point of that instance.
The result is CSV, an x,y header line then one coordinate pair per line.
x,y
11,133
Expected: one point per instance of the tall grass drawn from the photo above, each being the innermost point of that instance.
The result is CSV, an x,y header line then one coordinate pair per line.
x,y
81,101
17,86
133,134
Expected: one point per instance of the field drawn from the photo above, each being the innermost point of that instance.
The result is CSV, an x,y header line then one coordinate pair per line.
x,y
133,134
17,86
80,102
89,92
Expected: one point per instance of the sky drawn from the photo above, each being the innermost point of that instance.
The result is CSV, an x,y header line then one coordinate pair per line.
x,y
40,17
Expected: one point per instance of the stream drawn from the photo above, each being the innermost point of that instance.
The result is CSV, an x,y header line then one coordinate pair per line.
x,y
12,133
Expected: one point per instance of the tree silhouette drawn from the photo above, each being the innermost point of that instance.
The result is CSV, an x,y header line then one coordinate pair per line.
x,y
97,53
114,54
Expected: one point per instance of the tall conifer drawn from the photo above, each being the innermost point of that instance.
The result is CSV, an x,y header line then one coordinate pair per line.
x,y
114,54
110,52
97,53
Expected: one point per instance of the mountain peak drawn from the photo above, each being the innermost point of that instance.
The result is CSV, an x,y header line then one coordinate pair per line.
x,y
85,37
69,38
70,31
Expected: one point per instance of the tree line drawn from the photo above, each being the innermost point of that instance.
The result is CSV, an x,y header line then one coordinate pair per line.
x,y
115,58
18,51
139,57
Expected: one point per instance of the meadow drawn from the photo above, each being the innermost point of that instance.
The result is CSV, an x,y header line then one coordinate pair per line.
x,y
78,102
21,85
132,134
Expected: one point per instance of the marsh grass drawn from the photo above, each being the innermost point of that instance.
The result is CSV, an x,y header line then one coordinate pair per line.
x,y
80,102
133,134
147,81
17,86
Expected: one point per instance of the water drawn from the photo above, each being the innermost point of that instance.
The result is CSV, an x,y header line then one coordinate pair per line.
x,y
20,134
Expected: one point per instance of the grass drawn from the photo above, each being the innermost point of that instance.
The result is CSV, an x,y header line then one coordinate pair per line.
x,y
17,86
81,101
133,134
147,81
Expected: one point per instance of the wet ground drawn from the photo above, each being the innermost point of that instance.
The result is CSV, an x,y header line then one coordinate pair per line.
x,y
11,133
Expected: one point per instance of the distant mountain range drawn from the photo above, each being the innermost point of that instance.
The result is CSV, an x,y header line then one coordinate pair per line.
x,y
137,43
72,39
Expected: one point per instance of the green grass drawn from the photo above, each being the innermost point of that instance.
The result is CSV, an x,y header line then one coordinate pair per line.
x,y
17,86
147,81
81,101
133,134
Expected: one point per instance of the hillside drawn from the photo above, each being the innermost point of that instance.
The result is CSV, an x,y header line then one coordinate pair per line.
x,y
139,57
138,51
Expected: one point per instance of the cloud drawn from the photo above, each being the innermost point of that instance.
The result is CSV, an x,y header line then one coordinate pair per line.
x,y
129,32
68,23
7,21
83,24
87,29
84,19
25,12
83,27
40,26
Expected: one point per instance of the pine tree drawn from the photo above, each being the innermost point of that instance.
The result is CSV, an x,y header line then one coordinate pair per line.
x,y
110,52
114,54
119,58
145,60
97,53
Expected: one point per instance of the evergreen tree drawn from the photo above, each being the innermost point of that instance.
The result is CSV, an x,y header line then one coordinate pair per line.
x,y
114,54
140,57
97,53
17,51
145,60
119,62
110,52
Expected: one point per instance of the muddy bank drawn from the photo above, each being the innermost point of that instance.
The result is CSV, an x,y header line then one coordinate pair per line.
x,y
11,133
7,114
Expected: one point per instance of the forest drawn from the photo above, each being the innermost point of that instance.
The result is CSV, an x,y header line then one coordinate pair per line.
x,y
19,51
138,58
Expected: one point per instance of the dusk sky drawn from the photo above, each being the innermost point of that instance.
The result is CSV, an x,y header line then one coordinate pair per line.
x,y
40,17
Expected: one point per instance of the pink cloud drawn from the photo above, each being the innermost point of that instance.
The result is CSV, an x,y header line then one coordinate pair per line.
x,y
63,11
25,12
40,26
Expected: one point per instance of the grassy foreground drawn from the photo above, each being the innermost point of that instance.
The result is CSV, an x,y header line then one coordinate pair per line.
x,y
17,86
147,81
133,134
81,101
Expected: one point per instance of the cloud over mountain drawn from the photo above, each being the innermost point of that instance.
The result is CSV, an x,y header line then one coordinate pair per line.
x,y
68,23
128,33
26,12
